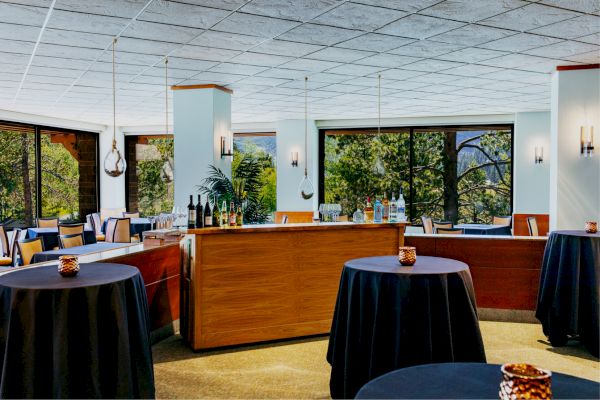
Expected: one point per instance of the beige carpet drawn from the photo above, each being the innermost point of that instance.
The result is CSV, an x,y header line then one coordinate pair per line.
x,y
298,369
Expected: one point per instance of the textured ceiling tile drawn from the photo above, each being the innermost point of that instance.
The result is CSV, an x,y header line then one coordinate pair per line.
x,y
419,26
310,65
169,12
472,35
267,60
122,57
212,77
471,55
312,84
238,69
407,85
426,48
22,14
529,17
404,5
471,11
19,32
283,73
357,70
49,71
375,42
225,40
520,76
319,34
73,21
587,6
223,4
431,65
593,57
471,70
387,60
204,53
573,28
254,25
143,46
520,42
359,16
594,39
563,49
371,81
328,78
289,9
282,47
434,78
259,80
76,39
514,60
113,8
343,88
53,50
339,55
161,32
400,74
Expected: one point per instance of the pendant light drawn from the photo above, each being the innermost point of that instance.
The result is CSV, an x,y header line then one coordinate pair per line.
x,y
114,163
379,168
306,189
166,173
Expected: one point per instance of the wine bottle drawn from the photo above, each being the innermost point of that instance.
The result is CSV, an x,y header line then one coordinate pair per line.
x,y
191,213
401,207
393,209
207,214
199,213
368,211
216,220
386,208
239,218
224,217
232,216
377,211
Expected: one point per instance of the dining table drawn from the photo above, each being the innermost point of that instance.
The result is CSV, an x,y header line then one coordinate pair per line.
x,y
51,255
136,226
49,236
463,381
86,336
388,316
485,229
568,301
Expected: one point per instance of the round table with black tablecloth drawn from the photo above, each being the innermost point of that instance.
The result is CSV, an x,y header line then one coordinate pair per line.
x,y
50,236
569,294
463,381
388,316
81,337
484,229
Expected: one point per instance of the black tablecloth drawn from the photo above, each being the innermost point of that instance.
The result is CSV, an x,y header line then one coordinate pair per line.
x,y
81,337
568,298
76,251
463,381
50,236
483,229
388,316
137,226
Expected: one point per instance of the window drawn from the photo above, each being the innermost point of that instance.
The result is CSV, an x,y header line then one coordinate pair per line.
x,y
254,161
47,172
149,176
460,174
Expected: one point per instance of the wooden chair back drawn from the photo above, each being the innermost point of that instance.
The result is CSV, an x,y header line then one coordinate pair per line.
x,y
504,221
74,240
4,244
132,214
427,224
533,227
443,225
47,222
70,229
106,213
28,247
450,231
13,247
118,230
96,223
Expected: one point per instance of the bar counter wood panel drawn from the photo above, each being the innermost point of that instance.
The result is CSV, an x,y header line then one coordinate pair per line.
x,y
259,284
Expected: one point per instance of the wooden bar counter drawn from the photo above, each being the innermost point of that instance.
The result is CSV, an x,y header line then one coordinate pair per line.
x,y
267,282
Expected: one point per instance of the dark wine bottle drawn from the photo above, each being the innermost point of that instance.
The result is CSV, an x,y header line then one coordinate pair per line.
x,y
191,213
207,214
216,213
199,213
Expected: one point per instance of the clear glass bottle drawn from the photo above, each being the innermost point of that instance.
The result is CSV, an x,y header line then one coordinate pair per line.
x,y
369,211
358,217
401,207
393,209
386,207
224,216
378,211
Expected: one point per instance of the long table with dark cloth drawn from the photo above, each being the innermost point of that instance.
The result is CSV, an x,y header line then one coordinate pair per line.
x,y
76,251
136,227
388,316
484,229
463,381
50,236
81,337
568,298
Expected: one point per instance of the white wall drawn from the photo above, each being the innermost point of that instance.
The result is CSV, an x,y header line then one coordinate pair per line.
x,y
574,180
531,182
290,137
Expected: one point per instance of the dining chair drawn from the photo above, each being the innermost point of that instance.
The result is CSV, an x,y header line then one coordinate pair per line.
x,y
450,231
72,240
106,213
131,214
504,221
284,219
14,253
442,225
427,224
97,227
5,256
70,229
118,231
533,226
51,222
28,247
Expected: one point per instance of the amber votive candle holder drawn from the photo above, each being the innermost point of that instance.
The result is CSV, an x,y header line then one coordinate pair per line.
x,y
591,227
68,266
525,381
407,255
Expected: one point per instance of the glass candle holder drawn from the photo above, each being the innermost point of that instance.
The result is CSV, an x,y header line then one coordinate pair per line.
x,y
68,266
591,227
525,381
407,255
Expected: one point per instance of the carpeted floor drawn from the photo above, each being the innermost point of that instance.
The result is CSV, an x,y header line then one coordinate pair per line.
x,y
298,369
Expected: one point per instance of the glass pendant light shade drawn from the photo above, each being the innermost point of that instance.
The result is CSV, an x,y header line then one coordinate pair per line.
x,y
114,162
306,189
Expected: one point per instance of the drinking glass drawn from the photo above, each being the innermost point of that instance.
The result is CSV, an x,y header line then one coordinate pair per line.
x,y
321,208
152,218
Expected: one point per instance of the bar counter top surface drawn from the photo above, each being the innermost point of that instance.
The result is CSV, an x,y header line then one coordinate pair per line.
x,y
310,226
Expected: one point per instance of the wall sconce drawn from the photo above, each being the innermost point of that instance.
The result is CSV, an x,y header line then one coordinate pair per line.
x,y
294,158
539,154
587,142
226,147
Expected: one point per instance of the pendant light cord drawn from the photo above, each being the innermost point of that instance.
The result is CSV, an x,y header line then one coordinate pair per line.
x,y
306,126
114,95
167,95
379,105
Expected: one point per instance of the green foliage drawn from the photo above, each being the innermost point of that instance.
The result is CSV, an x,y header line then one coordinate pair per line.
x,y
155,191
60,181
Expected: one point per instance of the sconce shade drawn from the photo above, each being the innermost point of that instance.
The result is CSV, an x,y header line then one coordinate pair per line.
x,y
587,142
226,148
294,158
539,154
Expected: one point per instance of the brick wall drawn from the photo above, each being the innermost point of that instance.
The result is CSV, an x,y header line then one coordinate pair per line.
x,y
86,148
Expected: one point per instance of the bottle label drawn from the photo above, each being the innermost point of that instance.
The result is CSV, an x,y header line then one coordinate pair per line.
x,y
208,221
191,216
